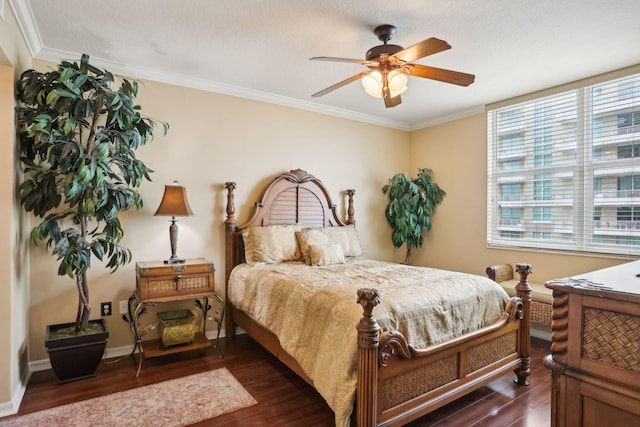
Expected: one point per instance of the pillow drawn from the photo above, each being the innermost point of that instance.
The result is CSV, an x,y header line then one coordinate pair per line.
x,y
308,237
337,235
346,236
326,254
272,244
355,248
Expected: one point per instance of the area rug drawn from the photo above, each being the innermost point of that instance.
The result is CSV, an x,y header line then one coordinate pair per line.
x,y
177,402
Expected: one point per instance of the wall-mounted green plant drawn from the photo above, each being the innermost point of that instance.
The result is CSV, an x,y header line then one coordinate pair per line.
x,y
78,138
411,204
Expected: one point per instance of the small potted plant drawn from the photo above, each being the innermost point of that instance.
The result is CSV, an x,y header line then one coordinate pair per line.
x,y
77,139
411,204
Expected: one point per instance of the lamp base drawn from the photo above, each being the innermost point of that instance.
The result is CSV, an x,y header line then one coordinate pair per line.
x,y
174,261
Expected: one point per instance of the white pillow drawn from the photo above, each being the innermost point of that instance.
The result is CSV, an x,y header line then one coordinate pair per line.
x,y
346,237
355,248
272,244
326,254
309,237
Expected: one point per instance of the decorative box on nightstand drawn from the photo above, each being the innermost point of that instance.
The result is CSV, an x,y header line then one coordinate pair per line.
x,y
156,280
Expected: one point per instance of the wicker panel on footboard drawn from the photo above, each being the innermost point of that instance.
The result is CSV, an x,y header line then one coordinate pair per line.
x,y
414,382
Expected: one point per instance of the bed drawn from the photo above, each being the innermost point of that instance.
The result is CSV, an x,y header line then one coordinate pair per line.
x,y
392,379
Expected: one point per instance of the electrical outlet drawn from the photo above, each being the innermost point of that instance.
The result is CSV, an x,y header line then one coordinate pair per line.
x,y
124,309
105,308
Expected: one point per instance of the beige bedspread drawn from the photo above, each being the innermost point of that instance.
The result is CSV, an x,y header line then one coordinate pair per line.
x,y
313,311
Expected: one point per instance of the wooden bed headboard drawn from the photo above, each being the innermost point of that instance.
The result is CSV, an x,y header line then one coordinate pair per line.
x,y
292,197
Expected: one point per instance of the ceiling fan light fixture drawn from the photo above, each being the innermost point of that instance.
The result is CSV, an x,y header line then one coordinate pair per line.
x,y
372,84
397,82
390,65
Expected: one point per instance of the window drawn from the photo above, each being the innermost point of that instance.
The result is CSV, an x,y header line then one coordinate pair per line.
x,y
628,89
511,164
627,151
510,234
629,186
510,192
542,213
542,186
510,143
597,214
538,235
629,123
510,118
510,213
626,215
564,170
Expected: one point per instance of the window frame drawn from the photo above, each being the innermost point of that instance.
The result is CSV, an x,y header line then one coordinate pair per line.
x,y
539,172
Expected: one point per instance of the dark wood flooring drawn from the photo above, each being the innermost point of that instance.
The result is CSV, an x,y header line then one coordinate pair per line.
x,y
286,400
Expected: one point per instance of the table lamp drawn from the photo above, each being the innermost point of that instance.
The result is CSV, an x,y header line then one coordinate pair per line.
x,y
174,203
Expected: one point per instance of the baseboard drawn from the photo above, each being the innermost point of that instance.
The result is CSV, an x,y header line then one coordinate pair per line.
x,y
11,408
8,408
110,353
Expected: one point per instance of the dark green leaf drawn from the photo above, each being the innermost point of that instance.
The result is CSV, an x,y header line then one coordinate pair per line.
x,y
411,204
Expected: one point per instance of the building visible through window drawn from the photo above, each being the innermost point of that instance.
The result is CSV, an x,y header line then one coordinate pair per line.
x,y
564,170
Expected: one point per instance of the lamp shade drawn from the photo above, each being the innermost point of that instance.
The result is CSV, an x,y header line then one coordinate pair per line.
x,y
174,201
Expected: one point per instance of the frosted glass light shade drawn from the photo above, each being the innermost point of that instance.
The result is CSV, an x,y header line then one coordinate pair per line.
x,y
372,84
396,80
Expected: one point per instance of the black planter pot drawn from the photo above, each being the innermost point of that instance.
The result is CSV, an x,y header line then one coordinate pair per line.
x,y
77,357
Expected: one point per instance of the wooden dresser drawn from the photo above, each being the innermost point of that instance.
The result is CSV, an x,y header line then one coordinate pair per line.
x,y
595,350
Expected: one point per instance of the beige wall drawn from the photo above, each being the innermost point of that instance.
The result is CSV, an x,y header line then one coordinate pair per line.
x,y
14,262
216,138
457,153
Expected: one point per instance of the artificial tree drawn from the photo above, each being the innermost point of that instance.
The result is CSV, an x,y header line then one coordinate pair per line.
x,y
411,204
77,139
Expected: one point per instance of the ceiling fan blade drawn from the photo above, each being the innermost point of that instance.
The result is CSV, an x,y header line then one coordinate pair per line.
x,y
389,101
340,84
332,59
440,74
424,48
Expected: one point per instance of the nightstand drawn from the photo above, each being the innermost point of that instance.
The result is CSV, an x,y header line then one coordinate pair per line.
x,y
156,283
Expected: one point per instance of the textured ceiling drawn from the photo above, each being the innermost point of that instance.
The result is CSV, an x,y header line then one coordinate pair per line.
x,y
261,49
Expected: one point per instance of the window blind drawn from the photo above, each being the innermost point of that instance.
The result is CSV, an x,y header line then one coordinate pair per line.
x,y
564,170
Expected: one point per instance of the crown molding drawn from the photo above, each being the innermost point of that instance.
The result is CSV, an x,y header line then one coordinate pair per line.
x,y
135,72
24,16
478,109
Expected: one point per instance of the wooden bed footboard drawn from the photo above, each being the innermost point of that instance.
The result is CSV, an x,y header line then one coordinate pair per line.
x,y
398,383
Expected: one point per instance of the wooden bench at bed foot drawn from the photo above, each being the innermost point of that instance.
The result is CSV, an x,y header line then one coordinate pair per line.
x,y
541,298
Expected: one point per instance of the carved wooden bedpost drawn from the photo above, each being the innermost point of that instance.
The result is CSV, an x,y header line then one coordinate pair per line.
x,y
230,228
350,212
368,342
523,291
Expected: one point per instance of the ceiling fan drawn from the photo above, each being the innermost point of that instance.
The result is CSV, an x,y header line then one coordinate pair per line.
x,y
389,65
